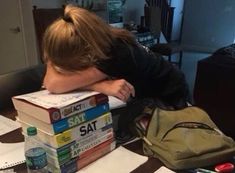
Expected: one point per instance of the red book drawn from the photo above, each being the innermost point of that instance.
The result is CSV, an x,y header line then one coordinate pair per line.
x,y
50,108
100,151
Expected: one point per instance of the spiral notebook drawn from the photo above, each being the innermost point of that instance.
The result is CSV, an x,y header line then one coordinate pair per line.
x,y
11,154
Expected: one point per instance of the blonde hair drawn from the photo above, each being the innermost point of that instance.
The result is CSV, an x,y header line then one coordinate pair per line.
x,y
80,39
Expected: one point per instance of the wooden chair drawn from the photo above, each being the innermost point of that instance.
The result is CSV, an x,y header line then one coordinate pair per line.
x,y
42,19
159,19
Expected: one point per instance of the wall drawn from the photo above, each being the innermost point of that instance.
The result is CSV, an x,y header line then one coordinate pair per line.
x,y
133,9
48,3
208,25
177,19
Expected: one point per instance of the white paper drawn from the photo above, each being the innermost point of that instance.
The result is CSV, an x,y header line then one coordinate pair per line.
x,y
164,169
48,100
115,103
8,171
11,154
7,125
120,160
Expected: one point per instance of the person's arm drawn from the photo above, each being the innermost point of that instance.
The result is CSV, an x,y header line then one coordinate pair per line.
x,y
60,82
119,88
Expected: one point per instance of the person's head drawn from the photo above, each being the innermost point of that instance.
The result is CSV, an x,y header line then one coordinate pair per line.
x,y
79,39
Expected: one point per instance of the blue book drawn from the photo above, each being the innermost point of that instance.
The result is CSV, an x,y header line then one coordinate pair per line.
x,y
66,123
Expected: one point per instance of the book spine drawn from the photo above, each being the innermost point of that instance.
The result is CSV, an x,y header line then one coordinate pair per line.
x,y
82,130
74,133
78,143
78,118
75,164
95,155
76,152
77,107
95,148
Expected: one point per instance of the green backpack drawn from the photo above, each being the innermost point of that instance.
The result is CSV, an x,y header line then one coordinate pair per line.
x,y
183,139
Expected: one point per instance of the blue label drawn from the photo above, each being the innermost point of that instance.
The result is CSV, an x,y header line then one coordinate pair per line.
x,y
36,158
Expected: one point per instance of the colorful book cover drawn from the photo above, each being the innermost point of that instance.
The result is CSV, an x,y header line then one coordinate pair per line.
x,y
72,134
75,164
50,108
79,118
79,152
66,123
56,152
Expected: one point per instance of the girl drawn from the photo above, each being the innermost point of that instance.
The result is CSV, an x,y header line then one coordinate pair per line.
x,y
83,52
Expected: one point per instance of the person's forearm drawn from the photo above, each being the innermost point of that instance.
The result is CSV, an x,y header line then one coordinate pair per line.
x,y
98,86
61,84
119,88
57,82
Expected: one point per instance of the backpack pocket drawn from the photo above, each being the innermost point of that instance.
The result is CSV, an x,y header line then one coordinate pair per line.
x,y
190,139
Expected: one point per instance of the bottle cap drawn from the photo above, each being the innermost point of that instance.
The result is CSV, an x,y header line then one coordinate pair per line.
x,y
31,131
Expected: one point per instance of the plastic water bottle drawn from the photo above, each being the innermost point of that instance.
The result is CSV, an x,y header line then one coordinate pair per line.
x,y
36,159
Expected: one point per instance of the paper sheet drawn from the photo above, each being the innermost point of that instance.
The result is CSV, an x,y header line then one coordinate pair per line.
x,y
115,103
7,125
120,160
8,171
48,100
164,169
11,154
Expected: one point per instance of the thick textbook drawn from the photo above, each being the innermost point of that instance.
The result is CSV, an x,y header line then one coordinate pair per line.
x,y
66,123
75,133
121,160
75,164
79,152
50,108
99,152
67,149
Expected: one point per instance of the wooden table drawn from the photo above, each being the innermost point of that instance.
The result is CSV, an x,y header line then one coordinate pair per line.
x,y
16,136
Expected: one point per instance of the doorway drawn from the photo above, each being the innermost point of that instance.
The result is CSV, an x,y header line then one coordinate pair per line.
x,y
17,43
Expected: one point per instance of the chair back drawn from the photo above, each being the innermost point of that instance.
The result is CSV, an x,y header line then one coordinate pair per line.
x,y
159,19
153,20
42,19
162,14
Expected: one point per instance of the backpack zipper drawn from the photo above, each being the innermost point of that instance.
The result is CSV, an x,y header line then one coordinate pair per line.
x,y
191,125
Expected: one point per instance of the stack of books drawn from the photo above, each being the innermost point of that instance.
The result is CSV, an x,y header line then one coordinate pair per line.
x,y
76,128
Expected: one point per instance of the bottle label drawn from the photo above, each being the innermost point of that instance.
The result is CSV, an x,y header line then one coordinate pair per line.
x,y
36,158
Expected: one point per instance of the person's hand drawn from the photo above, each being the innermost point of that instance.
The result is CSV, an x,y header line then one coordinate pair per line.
x,y
119,88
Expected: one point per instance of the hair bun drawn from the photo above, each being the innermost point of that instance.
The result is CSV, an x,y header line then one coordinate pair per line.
x,y
67,18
